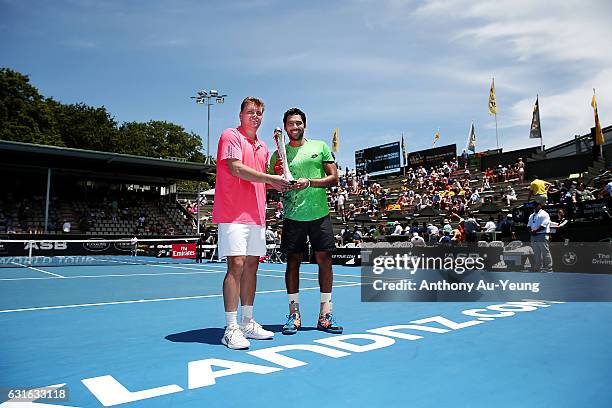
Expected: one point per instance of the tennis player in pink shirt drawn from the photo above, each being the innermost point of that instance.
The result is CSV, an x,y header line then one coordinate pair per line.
x,y
240,211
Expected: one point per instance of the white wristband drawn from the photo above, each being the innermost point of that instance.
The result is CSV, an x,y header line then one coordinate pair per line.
x,y
308,183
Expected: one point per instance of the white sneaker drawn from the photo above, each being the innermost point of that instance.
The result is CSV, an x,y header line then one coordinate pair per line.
x,y
234,339
253,330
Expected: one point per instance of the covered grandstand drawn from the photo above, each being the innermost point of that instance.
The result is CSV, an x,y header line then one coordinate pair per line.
x,y
97,193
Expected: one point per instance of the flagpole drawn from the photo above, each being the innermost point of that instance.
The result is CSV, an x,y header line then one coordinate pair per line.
x,y
496,136
403,155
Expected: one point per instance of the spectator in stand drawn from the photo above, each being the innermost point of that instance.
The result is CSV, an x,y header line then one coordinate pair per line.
x,y
270,235
507,228
475,197
398,229
558,230
471,226
341,212
357,235
486,185
346,235
538,189
446,238
489,229
378,233
464,158
520,165
403,200
417,240
606,190
433,232
501,173
509,195
66,226
447,226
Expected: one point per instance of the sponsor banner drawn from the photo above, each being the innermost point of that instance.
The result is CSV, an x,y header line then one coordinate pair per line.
x,y
432,157
184,251
436,274
342,256
378,160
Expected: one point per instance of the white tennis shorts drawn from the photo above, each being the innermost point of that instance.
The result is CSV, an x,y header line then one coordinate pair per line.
x,y
241,240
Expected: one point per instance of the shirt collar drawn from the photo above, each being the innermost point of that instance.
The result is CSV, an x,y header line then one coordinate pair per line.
x,y
256,143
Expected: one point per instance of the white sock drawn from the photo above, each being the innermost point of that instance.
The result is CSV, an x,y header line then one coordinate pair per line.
x,y
326,304
247,313
294,302
231,318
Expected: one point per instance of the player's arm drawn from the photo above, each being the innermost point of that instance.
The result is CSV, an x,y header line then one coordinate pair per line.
x,y
330,179
240,170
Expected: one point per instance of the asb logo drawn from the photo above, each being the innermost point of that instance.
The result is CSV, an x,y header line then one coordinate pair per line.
x,y
46,245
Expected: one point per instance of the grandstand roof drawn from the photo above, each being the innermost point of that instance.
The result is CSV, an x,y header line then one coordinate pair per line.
x,y
99,165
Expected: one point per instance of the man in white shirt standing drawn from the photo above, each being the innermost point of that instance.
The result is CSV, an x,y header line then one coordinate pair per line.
x,y
489,229
539,227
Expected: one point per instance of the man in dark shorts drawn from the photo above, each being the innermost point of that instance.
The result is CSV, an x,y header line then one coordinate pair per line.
x,y
313,166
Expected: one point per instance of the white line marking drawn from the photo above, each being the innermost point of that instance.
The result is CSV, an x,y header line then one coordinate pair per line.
x,y
125,302
200,271
39,270
301,278
315,273
283,270
116,275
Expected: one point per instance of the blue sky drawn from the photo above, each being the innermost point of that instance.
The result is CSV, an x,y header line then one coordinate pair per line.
x,y
373,69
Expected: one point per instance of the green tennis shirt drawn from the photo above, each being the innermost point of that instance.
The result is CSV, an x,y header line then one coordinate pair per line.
x,y
306,161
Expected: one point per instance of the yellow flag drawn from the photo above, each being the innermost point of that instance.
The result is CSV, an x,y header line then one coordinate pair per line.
x,y
436,137
335,141
492,101
599,137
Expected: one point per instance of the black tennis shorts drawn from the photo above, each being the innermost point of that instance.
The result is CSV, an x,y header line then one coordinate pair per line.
x,y
295,234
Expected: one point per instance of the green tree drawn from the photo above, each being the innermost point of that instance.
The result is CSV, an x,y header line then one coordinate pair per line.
x,y
85,127
159,139
25,116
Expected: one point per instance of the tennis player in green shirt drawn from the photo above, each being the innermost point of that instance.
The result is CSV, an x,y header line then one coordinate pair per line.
x,y
307,219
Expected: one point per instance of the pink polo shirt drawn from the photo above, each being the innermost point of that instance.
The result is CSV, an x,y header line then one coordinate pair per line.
x,y
239,201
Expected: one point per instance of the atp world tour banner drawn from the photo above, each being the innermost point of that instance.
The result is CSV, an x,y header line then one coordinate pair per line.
x,y
377,160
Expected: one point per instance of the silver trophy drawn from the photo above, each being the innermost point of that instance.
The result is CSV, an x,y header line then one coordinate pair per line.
x,y
279,140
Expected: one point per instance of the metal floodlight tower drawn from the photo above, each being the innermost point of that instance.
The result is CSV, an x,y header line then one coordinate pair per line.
x,y
209,98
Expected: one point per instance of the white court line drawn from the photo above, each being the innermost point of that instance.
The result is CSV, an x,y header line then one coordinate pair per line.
x,y
301,278
307,273
39,270
204,272
201,272
125,302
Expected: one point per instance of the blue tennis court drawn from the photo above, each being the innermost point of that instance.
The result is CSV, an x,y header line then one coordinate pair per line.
x,y
148,335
